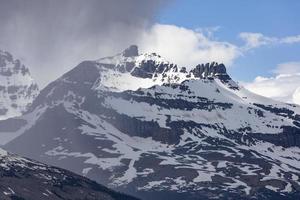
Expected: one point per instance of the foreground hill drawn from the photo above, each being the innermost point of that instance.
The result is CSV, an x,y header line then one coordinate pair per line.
x,y
24,179
140,124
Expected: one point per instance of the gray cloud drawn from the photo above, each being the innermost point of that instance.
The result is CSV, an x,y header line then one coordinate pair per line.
x,y
51,36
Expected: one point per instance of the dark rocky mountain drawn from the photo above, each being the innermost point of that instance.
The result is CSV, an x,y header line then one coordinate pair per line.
x,y
17,88
142,125
24,179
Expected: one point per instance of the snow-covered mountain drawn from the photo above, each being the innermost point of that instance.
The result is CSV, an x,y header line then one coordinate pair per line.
x,y
25,179
140,124
17,88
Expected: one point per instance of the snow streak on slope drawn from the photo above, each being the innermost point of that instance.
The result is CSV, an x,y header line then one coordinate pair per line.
x,y
226,108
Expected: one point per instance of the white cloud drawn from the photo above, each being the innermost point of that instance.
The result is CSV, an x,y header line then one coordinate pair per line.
x,y
290,39
284,86
288,68
254,40
187,47
209,31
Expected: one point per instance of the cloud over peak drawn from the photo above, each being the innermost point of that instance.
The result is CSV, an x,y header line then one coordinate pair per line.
x,y
187,47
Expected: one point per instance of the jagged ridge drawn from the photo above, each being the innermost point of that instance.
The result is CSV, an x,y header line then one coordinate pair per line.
x,y
151,69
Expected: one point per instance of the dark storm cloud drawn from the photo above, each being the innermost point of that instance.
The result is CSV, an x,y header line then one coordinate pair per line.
x,y
51,36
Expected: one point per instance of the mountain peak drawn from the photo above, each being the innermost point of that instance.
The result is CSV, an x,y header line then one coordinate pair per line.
x,y
17,87
126,71
5,57
131,51
211,70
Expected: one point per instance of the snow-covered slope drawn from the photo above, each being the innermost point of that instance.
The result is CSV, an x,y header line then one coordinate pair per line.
x,y
24,179
17,88
143,125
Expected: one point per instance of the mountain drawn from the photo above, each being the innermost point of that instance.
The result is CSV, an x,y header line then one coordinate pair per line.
x,y
17,88
142,125
24,179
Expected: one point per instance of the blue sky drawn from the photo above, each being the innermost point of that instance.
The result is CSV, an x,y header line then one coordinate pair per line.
x,y
272,18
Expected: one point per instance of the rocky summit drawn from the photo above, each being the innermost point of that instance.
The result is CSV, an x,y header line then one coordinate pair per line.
x,y
142,125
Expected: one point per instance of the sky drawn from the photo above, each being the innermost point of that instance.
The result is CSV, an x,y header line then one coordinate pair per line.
x,y
272,18
257,40
265,35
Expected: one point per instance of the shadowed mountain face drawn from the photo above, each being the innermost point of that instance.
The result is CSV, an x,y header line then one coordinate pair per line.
x,y
24,179
139,124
